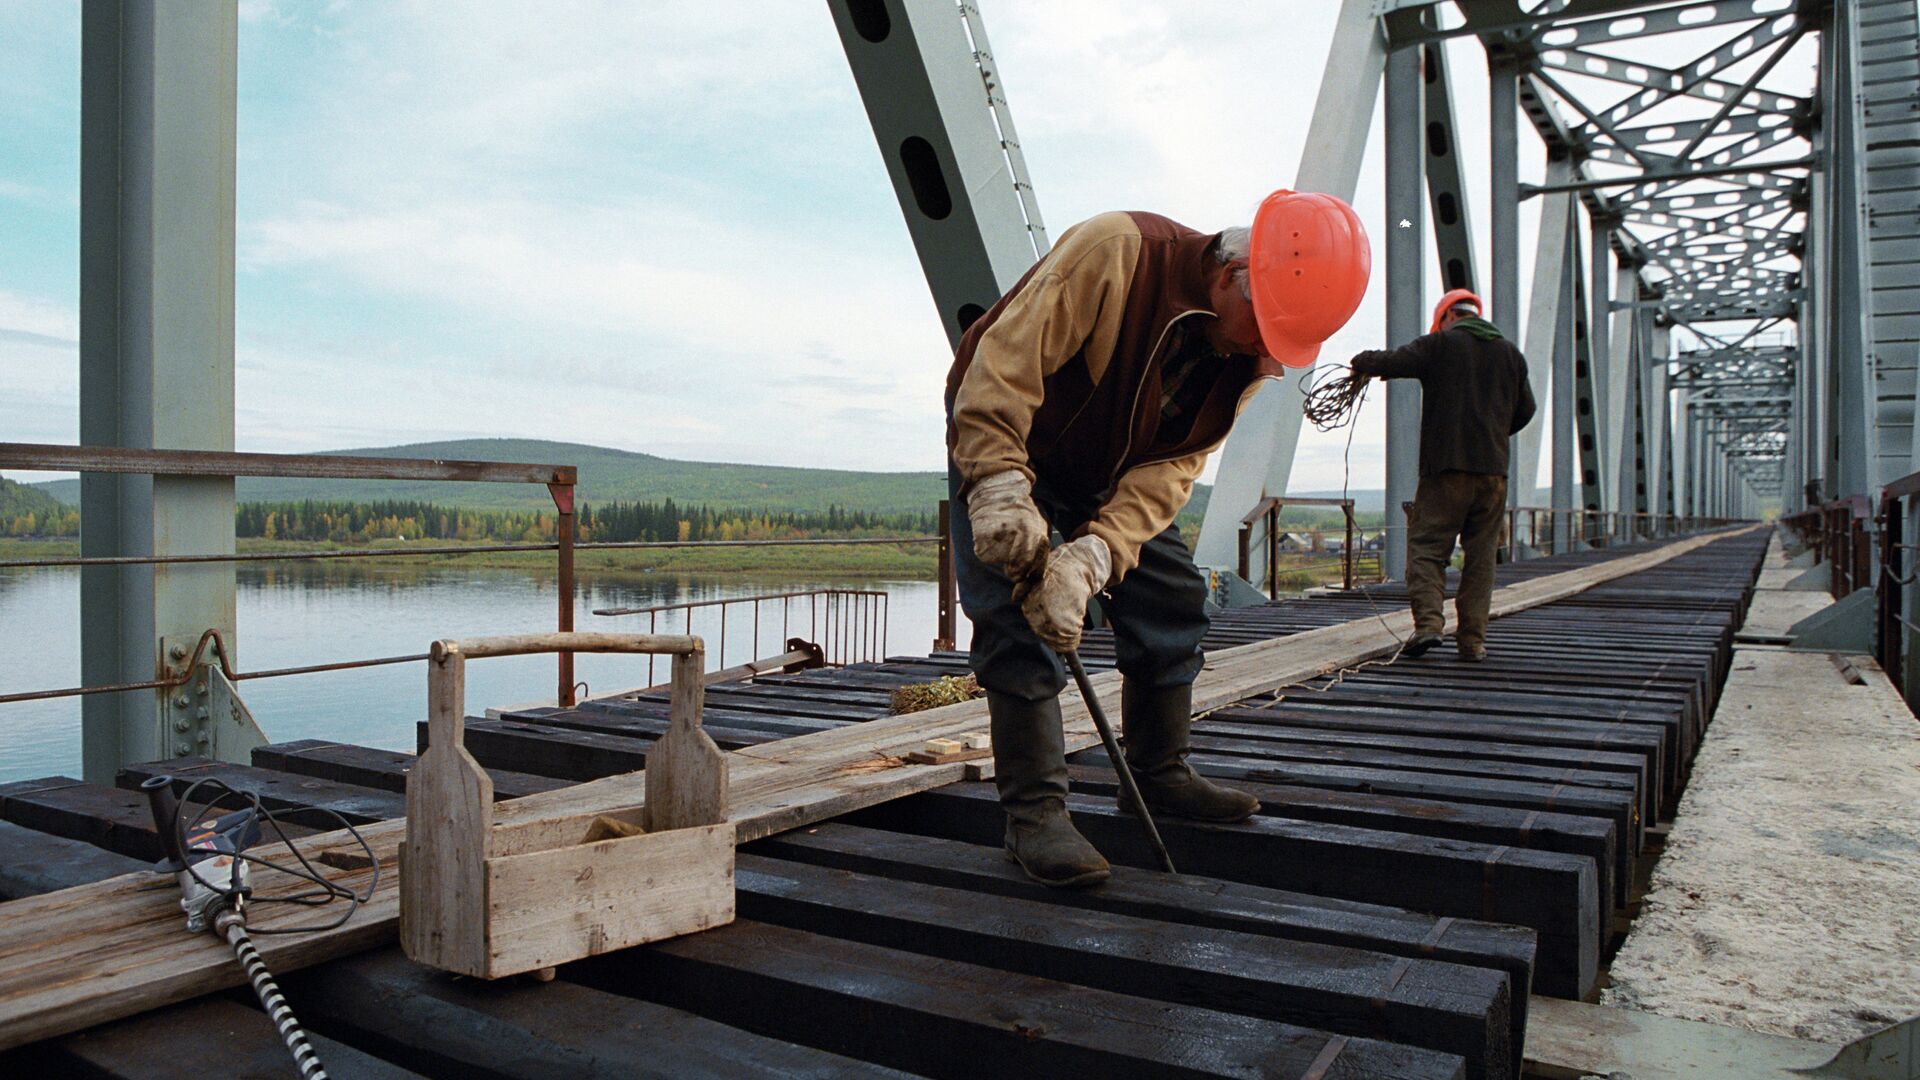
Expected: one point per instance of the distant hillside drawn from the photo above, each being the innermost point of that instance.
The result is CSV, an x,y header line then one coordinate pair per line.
x,y
19,500
607,475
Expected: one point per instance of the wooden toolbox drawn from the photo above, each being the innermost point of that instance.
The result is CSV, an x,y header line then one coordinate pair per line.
x,y
490,903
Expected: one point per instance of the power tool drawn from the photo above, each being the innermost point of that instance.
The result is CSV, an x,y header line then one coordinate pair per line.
x,y
207,858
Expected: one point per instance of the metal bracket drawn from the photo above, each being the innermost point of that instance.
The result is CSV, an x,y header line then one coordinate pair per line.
x,y
204,716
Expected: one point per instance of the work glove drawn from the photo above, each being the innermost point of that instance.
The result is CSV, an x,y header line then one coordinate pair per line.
x,y
1008,530
1056,606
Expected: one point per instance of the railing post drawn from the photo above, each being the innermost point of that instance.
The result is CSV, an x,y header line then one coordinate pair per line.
x,y
946,624
1887,597
1346,566
563,531
1273,552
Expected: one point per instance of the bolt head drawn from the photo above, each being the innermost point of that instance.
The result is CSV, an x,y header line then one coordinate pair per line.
x,y
180,701
178,652
181,725
182,748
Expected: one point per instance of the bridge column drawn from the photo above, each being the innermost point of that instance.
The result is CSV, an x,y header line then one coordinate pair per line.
x,y
156,353
1406,299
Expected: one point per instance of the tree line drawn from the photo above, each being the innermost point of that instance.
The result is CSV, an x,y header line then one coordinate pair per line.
x,y
346,522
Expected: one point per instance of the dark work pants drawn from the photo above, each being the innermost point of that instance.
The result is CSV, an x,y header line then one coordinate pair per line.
x,y
1158,610
1470,507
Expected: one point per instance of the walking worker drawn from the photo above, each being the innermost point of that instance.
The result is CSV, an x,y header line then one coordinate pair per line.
x,y
1474,396
1086,401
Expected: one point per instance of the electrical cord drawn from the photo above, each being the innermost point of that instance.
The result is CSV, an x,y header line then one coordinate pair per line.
x,y
230,918
1334,394
327,892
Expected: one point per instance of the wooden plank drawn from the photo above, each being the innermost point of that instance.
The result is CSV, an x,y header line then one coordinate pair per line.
x,y
559,753
173,1043
1556,895
384,770
948,1018
195,1040
1183,899
772,788
117,820
646,728
596,714
1569,834
32,862
609,895
302,800
518,1030
1414,1002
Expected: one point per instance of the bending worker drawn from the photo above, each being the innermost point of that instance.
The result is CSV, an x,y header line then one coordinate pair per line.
x,y
1087,400
1474,397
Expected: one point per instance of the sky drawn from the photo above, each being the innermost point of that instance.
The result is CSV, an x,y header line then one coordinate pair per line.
x,y
662,227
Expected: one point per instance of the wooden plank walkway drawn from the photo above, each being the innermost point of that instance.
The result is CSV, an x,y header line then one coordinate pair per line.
x,y
1439,840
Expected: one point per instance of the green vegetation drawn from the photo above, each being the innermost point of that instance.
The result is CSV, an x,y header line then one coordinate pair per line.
x,y
341,522
606,476
26,511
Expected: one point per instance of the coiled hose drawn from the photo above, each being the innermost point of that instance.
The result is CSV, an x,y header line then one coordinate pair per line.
x,y
232,925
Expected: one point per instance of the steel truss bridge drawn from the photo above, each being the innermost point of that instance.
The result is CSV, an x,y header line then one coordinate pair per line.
x,y
1722,315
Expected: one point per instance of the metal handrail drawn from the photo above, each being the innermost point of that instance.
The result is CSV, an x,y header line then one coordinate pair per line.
x,y
559,480
446,549
855,622
1269,509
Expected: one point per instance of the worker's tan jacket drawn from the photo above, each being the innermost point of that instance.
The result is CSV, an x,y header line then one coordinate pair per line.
x,y
1060,380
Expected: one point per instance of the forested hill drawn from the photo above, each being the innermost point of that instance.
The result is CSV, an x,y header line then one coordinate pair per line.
x,y
608,475
25,511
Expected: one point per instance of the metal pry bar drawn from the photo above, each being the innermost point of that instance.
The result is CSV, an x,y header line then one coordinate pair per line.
x,y
1129,790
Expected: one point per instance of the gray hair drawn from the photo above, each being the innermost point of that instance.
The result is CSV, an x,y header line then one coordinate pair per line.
x,y
1233,246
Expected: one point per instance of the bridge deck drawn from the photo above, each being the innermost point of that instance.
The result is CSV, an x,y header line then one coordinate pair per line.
x,y
1438,841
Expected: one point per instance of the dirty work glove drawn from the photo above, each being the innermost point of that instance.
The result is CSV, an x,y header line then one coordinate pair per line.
x,y
1008,530
1057,606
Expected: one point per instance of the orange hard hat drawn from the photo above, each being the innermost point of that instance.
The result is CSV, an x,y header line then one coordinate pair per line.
x,y
1454,298
1308,261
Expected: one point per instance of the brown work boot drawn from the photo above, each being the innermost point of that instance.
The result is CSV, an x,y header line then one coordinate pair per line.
x,y
1418,644
1156,723
1030,769
1471,651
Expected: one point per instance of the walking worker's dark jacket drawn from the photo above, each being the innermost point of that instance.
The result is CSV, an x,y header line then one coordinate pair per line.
x,y
1473,396
1061,379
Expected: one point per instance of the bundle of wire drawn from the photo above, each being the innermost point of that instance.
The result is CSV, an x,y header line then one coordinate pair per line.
x,y
1333,396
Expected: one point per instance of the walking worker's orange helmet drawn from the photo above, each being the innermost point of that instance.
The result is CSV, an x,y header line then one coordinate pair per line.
x,y
1308,262
1453,299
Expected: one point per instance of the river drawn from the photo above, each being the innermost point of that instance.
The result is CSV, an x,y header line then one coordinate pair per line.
x,y
301,614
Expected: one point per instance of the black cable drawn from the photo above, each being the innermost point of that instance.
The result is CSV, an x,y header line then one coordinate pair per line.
x,y
328,890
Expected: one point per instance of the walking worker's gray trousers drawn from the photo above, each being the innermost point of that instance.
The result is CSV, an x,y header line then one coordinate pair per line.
x,y
1448,506
1158,610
